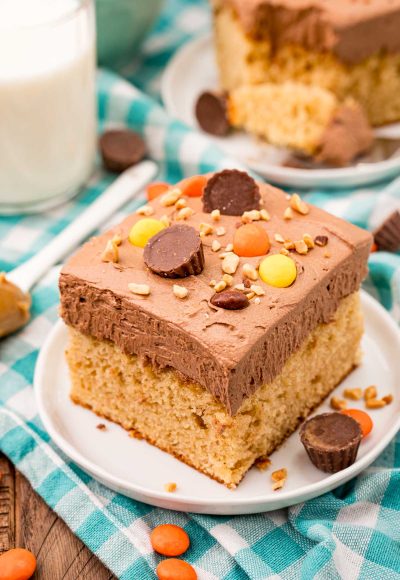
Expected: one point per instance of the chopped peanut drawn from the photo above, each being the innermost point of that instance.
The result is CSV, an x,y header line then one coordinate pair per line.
x,y
257,290
284,252
146,210
206,229
219,286
180,291
251,216
221,231
280,239
228,279
141,289
309,241
110,253
181,203
264,215
165,220
301,247
171,197
249,272
215,215
230,263
216,246
229,248
288,214
185,213
388,399
298,204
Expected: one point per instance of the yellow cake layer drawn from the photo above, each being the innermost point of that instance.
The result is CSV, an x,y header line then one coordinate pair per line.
x,y
288,115
185,420
374,83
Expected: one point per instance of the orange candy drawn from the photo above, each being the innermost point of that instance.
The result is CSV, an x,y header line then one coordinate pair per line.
x,y
251,240
174,569
169,540
155,189
193,186
362,418
374,248
17,564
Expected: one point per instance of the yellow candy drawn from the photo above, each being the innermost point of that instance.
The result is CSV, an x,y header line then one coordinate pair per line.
x,y
143,230
278,270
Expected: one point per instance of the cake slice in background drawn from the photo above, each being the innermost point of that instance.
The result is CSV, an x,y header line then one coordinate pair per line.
x,y
316,52
219,367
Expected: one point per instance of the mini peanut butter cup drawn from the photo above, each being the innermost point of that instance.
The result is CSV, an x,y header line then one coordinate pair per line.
x,y
232,192
331,441
387,236
175,252
120,149
211,113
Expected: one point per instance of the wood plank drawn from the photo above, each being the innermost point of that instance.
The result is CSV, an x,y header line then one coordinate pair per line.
x,y
29,523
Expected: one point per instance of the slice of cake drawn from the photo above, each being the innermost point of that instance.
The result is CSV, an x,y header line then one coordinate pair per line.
x,y
212,326
271,52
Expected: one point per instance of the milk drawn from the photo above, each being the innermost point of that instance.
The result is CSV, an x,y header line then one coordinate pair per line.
x,y
47,101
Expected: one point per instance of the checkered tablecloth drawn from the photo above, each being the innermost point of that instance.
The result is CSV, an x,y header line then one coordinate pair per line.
x,y
351,533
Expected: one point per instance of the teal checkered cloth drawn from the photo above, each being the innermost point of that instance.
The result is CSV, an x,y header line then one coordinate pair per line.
x,y
351,533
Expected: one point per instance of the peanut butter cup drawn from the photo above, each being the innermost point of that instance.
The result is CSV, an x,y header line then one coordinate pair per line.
x,y
387,236
175,252
211,113
121,148
232,192
331,441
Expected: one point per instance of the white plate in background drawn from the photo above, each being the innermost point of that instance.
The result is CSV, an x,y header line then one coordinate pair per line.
x,y
139,470
193,70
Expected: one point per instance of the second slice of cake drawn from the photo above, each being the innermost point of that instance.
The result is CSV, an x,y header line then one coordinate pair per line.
x,y
211,355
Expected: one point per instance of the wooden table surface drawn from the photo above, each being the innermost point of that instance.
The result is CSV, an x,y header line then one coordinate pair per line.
x,y
27,522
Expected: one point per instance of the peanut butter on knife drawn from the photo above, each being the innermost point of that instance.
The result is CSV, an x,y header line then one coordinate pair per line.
x,y
14,307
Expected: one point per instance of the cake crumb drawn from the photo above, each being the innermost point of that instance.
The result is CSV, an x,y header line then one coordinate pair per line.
x,y
338,404
279,478
353,394
140,289
375,403
370,393
321,241
298,204
180,291
263,463
170,487
388,399
101,427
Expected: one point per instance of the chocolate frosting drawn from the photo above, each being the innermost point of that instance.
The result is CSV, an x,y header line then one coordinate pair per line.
x,y
229,352
352,29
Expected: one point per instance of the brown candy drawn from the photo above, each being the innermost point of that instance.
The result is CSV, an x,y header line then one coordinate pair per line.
x,y
232,192
175,252
211,113
321,241
331,441
120,149
230,300
387,236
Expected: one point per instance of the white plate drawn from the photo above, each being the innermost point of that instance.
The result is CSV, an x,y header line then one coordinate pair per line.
x,y
193,70
139,470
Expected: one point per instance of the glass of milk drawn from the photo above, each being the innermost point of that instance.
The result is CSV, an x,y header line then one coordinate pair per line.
x,y
47,102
